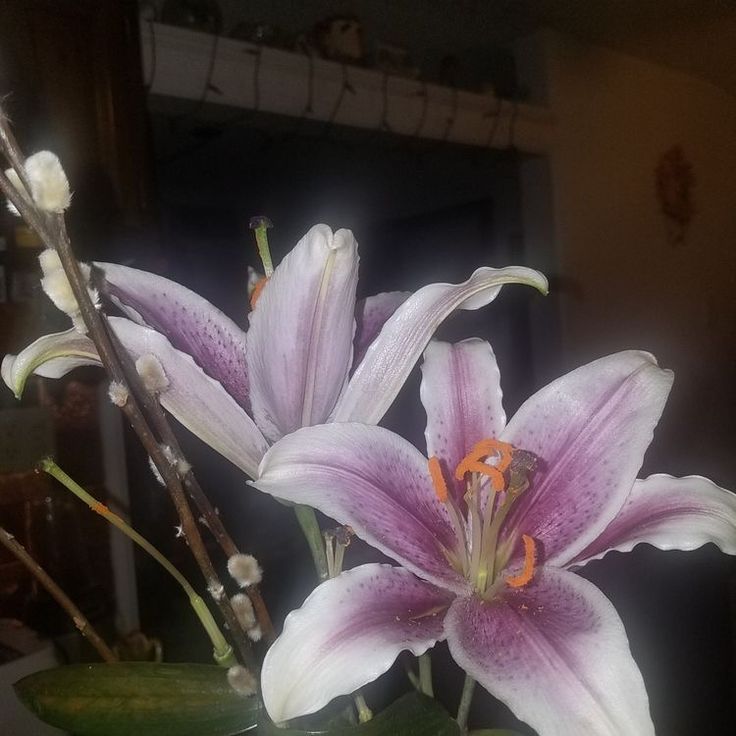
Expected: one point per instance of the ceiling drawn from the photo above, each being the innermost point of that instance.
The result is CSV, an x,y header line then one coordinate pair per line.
x,y
696,36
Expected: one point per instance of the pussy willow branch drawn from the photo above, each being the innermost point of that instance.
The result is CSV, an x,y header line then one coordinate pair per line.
x,y
52,230
117,372
80,620
213,522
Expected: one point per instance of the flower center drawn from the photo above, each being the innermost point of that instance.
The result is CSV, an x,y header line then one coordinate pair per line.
x,y
495,475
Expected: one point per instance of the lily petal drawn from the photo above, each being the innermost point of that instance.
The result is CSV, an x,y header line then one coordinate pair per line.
x,y
301,333
349,632
190,323
556,654
392,355
51,356
199,402
371,314
461,393
669,513
374,481
590,430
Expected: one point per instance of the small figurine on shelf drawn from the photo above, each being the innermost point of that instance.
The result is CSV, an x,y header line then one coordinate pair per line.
x,y
340,38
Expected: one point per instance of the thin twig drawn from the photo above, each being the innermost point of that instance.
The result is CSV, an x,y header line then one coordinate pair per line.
x,y
80,620
211,519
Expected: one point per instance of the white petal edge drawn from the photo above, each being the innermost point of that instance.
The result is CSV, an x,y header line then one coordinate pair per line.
x,y
299,346
392,355
50,356
671,514
197,401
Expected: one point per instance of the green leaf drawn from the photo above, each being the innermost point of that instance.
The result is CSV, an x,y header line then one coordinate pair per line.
x,y
139,698
411,715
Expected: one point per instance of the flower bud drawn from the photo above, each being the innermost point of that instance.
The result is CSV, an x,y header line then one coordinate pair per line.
x,y
245,570
118,393
152,373
14,179
243,609
242,681
49,185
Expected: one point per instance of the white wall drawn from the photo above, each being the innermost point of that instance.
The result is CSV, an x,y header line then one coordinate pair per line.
x,y
623,285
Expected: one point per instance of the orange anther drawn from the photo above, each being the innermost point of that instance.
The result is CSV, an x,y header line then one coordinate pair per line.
x,y
530,560
438,480
470,465
473,461
257,289
486,448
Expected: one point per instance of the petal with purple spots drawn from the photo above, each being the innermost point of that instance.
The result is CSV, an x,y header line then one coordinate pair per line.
x,y
461,393
349,632
590,430
189,322
556,653
374,481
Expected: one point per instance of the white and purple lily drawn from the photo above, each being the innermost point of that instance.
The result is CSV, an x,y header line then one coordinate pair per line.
x,y
485,533
311,353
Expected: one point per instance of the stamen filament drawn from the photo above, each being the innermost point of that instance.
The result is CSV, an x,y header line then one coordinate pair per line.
x,y
440,489
476,538
530,559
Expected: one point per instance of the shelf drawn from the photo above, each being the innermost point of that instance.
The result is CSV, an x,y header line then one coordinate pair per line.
x,y
184,64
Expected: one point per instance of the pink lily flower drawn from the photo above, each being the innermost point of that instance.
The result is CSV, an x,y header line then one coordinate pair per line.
x,y
240,391
486,532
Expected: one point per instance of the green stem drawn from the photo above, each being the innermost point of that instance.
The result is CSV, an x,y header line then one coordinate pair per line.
x,y
425,674
260,226
310,527
223,652
465,700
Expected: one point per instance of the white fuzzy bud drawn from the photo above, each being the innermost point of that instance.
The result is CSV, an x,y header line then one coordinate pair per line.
x,y
118,393
255,633
152,373
245,570
56,285
176,460
59,290
243,610
242,681
216,590
49,185
14,179
155,472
